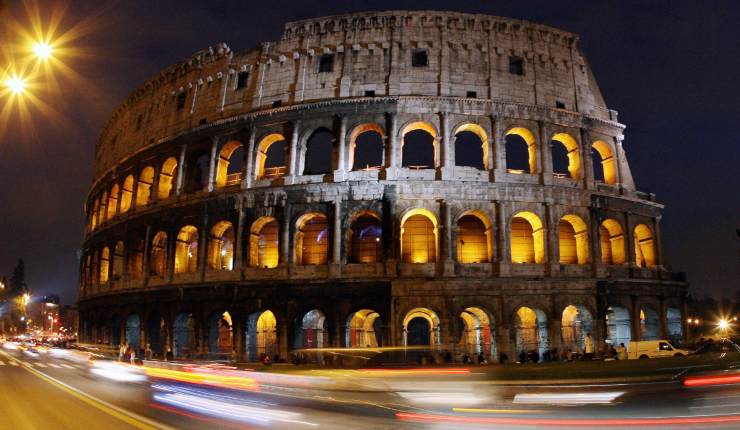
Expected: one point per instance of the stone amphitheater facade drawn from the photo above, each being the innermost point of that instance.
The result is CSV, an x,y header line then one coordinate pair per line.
x,y
354,184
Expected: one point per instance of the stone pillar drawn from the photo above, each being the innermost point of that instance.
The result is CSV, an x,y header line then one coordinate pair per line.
x,y
499,148
552,251
341,172
629,239
658,243
212,165
663,309
249,173
118,198
135,191
285,238
238,322
154,191
503,238
336,251
544,161
448,264
393,148
635,319
180,171
203,237
594,241
293,167
446,148
239,241
587,160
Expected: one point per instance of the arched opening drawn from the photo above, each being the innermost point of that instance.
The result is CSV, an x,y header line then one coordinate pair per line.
x,y
611,237
104,265
605,168
158,255
144,186
474,238
133,331
261,335
271,157
112,202
527,239
102,210
118,261
312,330
366,147
618,326
421,328
471,146
573,240
575,325
95,269
166,178
230,164
644,247
521,151
155,332
115,330
531,331
186,250
183,336
135,265
478,337
94,214
419,146
221,247
649,323
219,334
127,193
319,152
364,330
312,240
264,243
365,237
674,324
196,176
566,161
419,237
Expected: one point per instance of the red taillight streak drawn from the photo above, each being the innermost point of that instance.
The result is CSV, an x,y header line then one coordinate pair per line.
x,y
711,380
572,421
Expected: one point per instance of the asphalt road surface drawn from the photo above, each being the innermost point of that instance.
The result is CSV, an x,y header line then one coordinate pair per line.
x,y
46,391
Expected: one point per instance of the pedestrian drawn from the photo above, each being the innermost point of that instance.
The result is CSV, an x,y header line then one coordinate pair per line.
x,y
522,357
589,347
148,352
621,352
121,351
481,358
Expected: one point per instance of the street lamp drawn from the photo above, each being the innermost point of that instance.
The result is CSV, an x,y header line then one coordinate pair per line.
x,y
16,84
42,50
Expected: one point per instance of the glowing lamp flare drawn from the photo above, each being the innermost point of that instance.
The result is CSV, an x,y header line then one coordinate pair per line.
x,y
723,324
42,50
15,84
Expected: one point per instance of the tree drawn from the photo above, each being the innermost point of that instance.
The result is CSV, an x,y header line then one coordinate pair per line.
x,y
17,284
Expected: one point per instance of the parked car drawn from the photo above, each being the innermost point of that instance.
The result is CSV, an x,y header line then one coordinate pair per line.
x,y
723,345
653,349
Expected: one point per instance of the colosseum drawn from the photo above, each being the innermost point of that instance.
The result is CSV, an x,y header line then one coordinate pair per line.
x,y
382,179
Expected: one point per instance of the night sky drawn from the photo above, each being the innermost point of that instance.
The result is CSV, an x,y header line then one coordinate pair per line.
x,y
671,69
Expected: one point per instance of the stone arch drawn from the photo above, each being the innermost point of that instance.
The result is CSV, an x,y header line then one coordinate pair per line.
x,y
133,331
221,246
104,265
158,254
118,261
419,140
220,340
419,236
527,238
470,134
530,330
575,324
112,202
474,238
478,333
318,156
264,243
144,186
312,330
196,169
127,191
365,236
155,333
421,328
186,250
261,335
167,178
644,246
183,336
607,166
649,323
135,260
611,237
230,164
618,326
102,209
366,147
94,214
364,329
674,325
272,157
311,239
571,161
520,138
573,240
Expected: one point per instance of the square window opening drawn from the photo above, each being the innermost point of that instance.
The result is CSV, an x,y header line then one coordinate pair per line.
x,y
472,94
277,103
181,100
369,93
419,58
241,80
516,66
559,105
326,63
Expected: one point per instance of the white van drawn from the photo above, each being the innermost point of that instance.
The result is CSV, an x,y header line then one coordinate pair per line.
x,y
653,349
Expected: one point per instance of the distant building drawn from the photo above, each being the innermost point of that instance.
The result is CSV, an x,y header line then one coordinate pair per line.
x,y
43,314
68,320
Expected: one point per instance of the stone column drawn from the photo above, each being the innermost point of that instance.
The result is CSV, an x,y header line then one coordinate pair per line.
x,y
587,160
203,237
448,264
285,238
154,191
239,241
446,150
180,170
499,149
629,239
212,165
552,251
544,161
135,191
145,259
341,172
293,167
336,251
658,243
503,238
249,174
635,319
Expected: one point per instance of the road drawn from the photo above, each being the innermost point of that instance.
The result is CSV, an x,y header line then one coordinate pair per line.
x,y
58,391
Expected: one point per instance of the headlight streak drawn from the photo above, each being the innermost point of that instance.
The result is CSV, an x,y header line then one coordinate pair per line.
x,y
596,398
206,378
118,372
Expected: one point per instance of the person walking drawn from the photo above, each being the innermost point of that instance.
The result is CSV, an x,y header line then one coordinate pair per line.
x,y
621,352
589,350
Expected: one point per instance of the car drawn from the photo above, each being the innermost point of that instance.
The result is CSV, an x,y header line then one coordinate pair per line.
x,y
653,349
723,345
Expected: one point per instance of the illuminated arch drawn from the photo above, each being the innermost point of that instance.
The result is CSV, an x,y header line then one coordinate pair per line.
x,y
421,328
311,239
220,328
611,238
144,186
573,240
531,143
576,323
419,236
223,177
102,209
104,265
112,201
363,330
571,147
425,127
318,155
644,246
649,324
377,147
482,136
312,330
118,261
531,330
365,238
127,192
262,169
618,326
478,336
261,335
94,214
527,238
167,178
221,247
474,238
264,243
674,325
135,261
186,250
608,162
158,254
